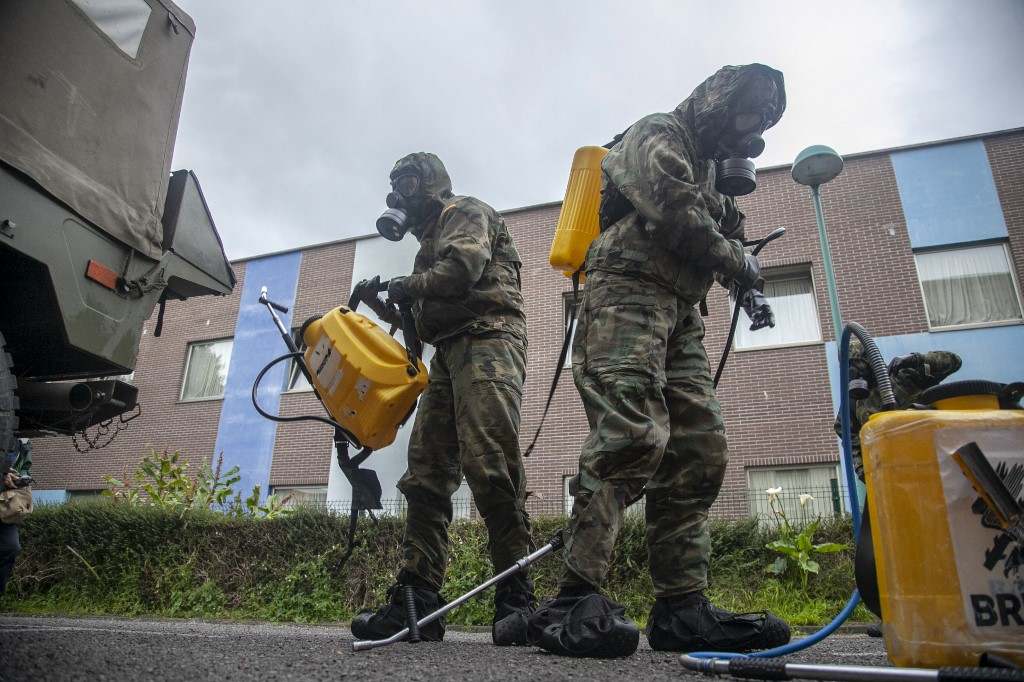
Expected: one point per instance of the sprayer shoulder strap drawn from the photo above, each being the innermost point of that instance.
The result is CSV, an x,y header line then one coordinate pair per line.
x,y
570,326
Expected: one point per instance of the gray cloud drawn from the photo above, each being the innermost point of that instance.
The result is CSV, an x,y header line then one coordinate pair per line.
x,y
295,112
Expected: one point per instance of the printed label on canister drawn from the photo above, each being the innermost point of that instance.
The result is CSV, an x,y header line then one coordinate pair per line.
x,y
326,365
989,561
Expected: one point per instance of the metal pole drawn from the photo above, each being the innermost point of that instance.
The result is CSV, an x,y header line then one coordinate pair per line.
x,y
763,669
555,544
826,261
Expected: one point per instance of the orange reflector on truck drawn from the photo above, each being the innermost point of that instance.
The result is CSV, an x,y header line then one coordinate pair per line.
x,y
101,274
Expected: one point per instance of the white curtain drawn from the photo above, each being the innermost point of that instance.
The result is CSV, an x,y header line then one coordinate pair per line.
x,y
796,315
207,370
968,286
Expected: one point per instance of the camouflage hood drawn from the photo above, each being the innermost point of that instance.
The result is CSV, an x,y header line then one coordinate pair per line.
x,y
435,183
709,107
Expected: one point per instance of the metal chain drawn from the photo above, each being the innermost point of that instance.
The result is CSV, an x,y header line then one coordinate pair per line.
x,y
105,432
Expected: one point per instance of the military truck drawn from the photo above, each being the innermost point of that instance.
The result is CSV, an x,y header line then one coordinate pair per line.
x,y
95,232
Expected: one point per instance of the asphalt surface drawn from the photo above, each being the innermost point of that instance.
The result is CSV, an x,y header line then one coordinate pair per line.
x,y
122,649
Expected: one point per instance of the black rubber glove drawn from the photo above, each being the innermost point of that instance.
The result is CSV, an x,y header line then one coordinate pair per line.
x,y
750,276
397,292
756,306
369,289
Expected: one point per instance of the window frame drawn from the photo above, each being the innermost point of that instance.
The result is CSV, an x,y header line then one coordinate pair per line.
x,y
961,246
188,363
783,273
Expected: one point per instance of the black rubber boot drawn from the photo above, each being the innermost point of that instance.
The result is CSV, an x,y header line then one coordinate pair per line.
x,y
394,615
582,622
513,604
692,623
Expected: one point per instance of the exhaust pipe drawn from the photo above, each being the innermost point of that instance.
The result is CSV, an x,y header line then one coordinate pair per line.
x,y
38,396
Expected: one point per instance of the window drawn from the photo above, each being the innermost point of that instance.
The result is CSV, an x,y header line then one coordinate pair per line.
x,y
791,296
820,482
74,496
566,307
206,370
123,21
296,380
305,496
567,499
968,286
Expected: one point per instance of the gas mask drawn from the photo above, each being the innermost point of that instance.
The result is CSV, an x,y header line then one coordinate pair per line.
x,y
735,173
404,205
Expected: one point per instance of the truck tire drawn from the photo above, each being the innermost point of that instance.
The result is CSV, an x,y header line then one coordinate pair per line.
x,y
8,401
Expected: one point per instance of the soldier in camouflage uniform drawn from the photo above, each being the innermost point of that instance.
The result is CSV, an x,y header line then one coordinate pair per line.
x,y
641,369
910,375
465,290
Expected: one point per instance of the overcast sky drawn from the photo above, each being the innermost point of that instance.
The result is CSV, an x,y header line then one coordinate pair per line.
x,y
295,112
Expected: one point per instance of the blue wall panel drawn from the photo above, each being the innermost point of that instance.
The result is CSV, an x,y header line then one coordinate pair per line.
x,y
948,194
992,353
244,437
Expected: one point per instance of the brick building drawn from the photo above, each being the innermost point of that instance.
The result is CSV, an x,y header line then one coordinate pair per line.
x,y
928,247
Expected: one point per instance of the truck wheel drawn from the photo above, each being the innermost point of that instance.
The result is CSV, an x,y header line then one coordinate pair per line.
x,y
8,401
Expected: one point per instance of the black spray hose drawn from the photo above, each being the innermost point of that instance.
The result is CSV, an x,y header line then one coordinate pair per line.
x,y
878,366
272,417
759,244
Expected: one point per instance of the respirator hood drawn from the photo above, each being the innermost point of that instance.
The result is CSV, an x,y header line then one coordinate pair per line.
x,y
712,110
408,213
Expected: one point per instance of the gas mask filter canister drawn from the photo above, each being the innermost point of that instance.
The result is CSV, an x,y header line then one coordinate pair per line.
x,y
393,223
735,174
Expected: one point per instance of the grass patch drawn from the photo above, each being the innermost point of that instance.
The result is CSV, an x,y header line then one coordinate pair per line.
x,y
102,558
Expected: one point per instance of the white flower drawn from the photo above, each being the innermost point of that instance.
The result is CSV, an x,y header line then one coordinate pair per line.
x,y
773,492
805,498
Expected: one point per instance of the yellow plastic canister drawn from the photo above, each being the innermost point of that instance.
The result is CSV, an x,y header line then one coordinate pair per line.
x,y
363,375
951,586
579,222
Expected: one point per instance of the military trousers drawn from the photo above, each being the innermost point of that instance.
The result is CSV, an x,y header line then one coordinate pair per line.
x,y
467,424
656,429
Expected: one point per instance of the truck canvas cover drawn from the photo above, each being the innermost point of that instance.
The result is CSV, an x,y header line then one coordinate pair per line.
x,y
90,92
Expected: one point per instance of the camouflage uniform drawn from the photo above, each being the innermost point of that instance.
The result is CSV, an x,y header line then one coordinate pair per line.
x,y
638,358
468,304
910,376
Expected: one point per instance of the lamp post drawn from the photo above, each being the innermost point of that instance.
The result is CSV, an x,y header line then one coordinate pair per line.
x,y
813,167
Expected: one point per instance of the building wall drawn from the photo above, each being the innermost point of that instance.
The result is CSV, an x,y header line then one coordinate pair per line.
x,y
779,403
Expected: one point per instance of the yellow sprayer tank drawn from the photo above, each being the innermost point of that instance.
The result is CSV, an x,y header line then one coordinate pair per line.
x,y
951,582
363,375
578,223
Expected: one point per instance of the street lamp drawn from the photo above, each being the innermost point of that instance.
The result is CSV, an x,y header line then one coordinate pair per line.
x,y
813,167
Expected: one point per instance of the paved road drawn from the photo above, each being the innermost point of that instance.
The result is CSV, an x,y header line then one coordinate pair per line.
x,y
179,650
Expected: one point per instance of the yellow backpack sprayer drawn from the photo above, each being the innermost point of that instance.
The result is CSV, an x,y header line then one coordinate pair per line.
x,y
942,558
365,379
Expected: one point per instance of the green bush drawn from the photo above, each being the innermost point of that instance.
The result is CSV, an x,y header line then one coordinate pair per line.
x,y
101,557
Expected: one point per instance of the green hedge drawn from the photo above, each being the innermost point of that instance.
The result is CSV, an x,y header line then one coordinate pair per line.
x,y
107,558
